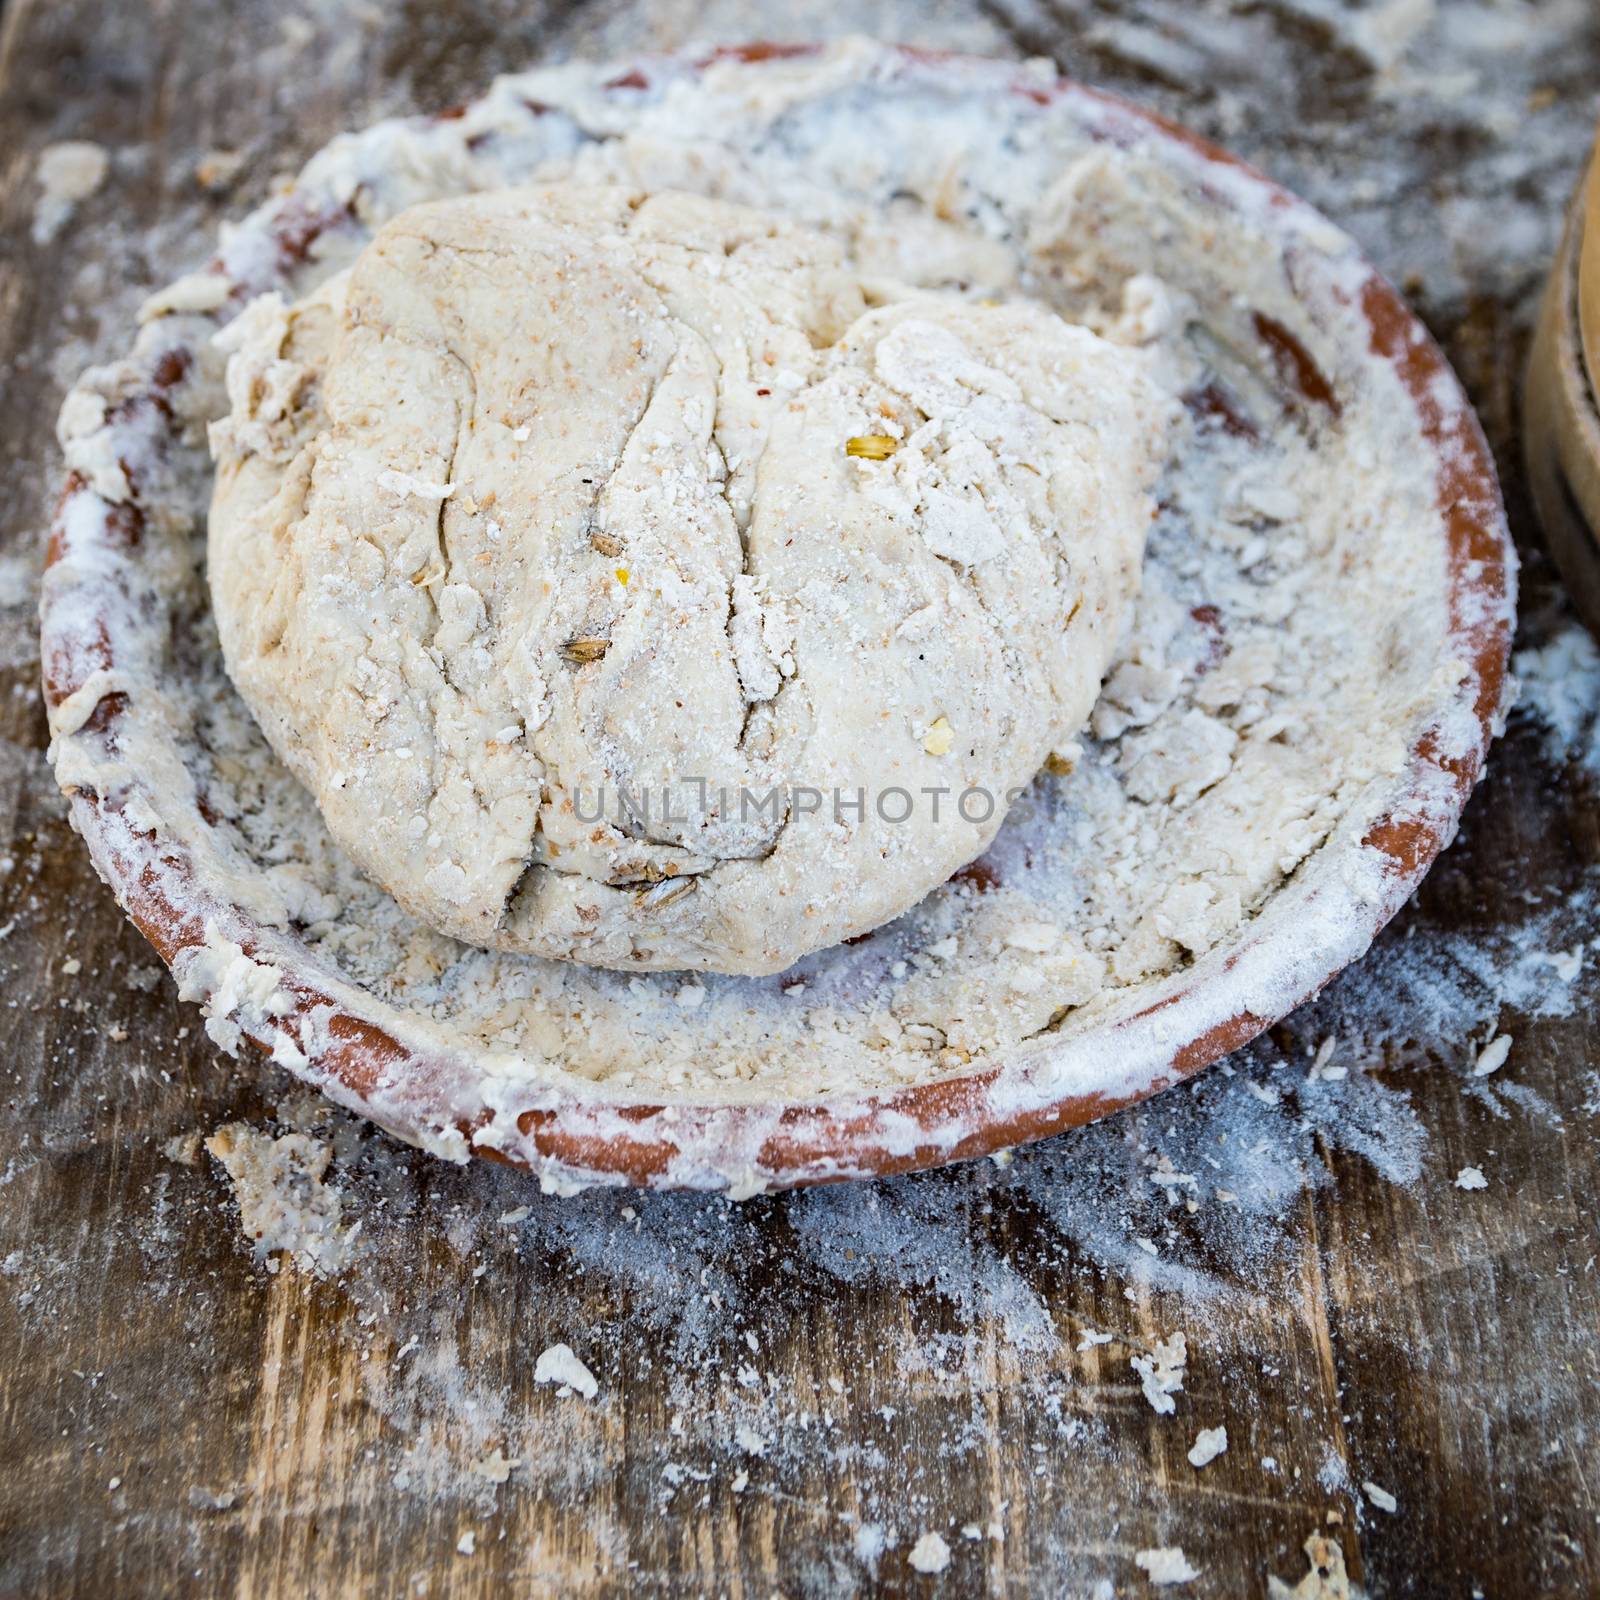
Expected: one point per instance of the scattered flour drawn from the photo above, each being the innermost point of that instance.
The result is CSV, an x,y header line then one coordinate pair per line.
x,y
1243,1145
19,579
1560,685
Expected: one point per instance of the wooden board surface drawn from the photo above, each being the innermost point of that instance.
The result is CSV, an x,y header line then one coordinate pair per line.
x,y
792,1392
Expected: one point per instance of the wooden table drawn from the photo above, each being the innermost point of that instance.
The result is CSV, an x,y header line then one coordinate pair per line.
x,y
792,1392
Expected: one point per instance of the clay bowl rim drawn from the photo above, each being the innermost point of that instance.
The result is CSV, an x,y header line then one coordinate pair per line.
x,y
1191,1020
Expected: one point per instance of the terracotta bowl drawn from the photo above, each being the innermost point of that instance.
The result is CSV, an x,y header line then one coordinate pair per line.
x,y
104,622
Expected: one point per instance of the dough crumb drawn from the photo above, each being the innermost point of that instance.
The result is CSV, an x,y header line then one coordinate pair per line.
x,y
1208,1444
1326,1579
1161,1373
930,1554
496,1467
1166,1565
201,1499
283,1202
723,577
560,1366
1471,1178
216,169
1493,1056
1381,1498
68,173
184,1148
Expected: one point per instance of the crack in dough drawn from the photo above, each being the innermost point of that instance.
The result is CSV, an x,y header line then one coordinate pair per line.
x,y
547,506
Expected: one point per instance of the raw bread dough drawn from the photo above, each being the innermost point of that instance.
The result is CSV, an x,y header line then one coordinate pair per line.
x,y
568,498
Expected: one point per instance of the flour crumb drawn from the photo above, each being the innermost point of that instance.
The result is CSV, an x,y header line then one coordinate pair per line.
x,y
283,1202
1326,1579
1166,1565
1319,1062
561,1186
1559,684
1161,1373
202,1499
1493,1056
1471,1178
1208,1444
559,1365
467,1543
1565,964
496,1467
184,1148
930,1554
216,169
1381,1498
68,173
748,1185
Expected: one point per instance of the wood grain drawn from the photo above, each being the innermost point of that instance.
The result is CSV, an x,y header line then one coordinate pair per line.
x,y
178,1420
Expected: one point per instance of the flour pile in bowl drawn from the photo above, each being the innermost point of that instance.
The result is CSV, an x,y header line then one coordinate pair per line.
x,y
1286,651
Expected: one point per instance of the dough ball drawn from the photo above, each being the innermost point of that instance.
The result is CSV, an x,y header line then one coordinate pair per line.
x,y
631,586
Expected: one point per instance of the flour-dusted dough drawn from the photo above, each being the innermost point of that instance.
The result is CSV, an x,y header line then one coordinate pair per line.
x,y
549,505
